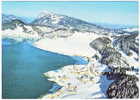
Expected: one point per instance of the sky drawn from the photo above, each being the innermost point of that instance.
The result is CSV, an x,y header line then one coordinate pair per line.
x,y
96,12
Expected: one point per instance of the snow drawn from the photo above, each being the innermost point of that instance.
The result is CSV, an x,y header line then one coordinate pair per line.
x,y
44,29
132,62
29,28
93,84
54,17
131,29
77,44
18,33
85,88
130,59
86,81
45,13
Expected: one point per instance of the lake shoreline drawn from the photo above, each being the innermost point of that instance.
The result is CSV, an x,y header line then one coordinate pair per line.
x,y
76,45
42,61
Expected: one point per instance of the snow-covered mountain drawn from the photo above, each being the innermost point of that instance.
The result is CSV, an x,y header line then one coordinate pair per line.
x,y
6,18
62,21
49,24
115,26
135,29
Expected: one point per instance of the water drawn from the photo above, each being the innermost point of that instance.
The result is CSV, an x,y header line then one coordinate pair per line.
x,y
22,69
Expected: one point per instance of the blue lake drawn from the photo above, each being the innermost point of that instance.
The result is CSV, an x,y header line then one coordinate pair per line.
x,y
23,66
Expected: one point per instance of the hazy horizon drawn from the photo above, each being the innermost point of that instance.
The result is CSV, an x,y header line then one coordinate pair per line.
x,y
121,13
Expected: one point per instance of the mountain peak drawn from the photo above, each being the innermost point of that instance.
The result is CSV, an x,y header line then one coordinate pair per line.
x,y
46,14
49,17
55,20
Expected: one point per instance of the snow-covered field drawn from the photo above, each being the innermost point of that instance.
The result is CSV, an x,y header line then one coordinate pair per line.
x,y
77,44
80,81
90,86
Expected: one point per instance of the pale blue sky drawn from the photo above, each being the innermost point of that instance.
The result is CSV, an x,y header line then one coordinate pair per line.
x,y
104,12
